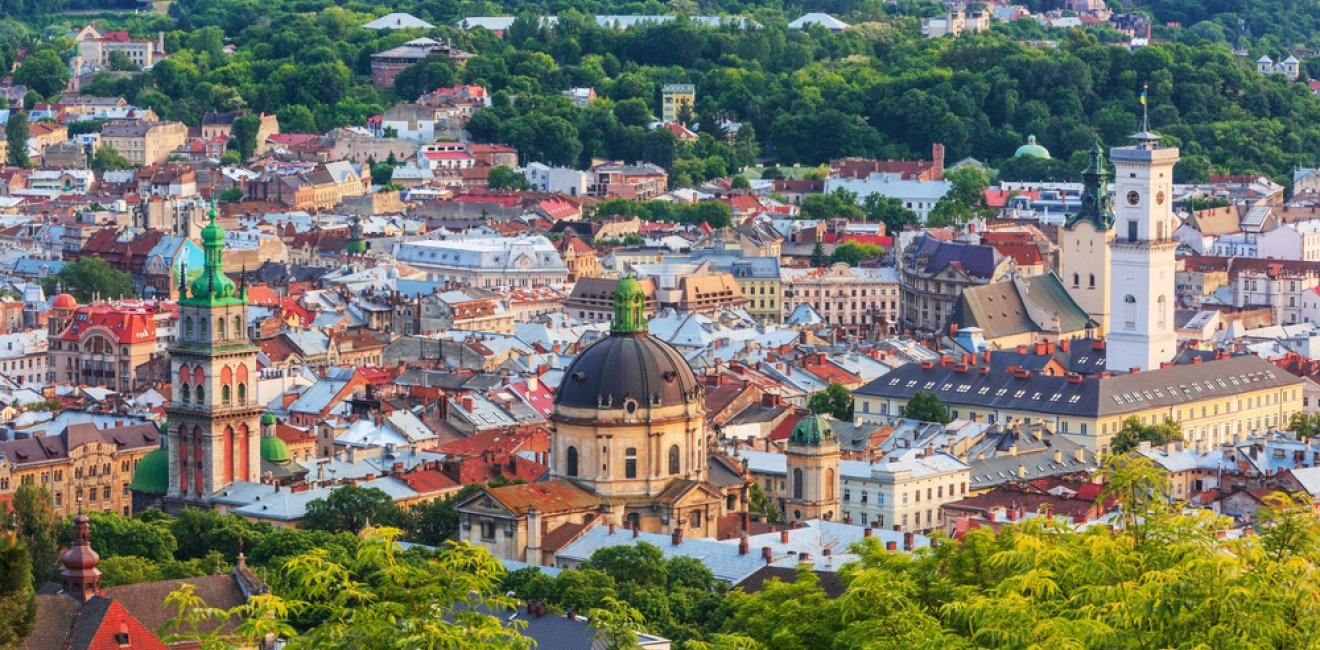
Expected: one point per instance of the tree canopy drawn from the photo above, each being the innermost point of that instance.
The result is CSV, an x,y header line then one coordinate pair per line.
x,y
836,401
87,278
927,407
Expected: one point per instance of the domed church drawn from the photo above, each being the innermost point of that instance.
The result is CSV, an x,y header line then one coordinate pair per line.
x,y
629,447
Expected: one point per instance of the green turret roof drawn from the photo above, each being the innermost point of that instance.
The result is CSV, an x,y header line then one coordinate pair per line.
x,y
811,430
213,287
267,419
1031,149
152,474
1097,207
629,307
273,450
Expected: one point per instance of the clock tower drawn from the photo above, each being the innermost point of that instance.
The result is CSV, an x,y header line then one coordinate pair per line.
x,y
1142,255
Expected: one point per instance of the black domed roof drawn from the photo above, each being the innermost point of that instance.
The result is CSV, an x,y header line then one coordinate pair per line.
x,y
623,366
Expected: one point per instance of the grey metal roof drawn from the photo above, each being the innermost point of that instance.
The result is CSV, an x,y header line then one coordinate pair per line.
x,y
1087,397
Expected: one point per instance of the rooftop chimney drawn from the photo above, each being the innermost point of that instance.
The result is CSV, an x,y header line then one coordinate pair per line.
x,y
908,539
765,554
891,546
677,537
783,537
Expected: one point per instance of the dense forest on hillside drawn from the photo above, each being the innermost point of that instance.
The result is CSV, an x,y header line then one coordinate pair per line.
x,y
878,89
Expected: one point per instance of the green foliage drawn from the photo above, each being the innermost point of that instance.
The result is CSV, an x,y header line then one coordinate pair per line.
x,y
927,407
351,508
116,535
18,598
199,532
17,133
503,178
818,257
44,72
120,62
1198,203
127,570
436,521
423,77
964,201
372,599
107,158
38,529
89,277
889,211
835,401
641,564
616,624
232,194
761,505
853,253
1134,433
835,205
243,135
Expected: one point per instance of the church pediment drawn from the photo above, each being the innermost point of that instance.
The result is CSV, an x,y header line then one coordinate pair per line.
x,y
482,503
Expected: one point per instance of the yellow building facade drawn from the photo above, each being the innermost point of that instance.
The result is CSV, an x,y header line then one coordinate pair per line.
x,y
1215,402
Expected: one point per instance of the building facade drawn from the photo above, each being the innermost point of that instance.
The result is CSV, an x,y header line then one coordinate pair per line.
x,y
860,300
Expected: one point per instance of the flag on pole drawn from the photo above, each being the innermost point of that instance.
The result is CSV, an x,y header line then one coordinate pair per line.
x,y
1143,95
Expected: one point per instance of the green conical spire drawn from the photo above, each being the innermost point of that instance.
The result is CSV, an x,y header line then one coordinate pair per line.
x,y
629,308
1096,206
213,286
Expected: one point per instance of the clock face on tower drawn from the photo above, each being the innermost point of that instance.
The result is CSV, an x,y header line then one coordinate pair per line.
x,y
1159,198
1133,198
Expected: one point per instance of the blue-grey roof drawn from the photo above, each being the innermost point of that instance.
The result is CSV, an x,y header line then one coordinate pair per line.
x,y
318,396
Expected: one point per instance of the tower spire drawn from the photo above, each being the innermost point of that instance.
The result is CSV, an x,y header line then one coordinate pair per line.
x,y
629,307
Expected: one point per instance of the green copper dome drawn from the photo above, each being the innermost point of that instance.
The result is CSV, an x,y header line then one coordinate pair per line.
x,y
629,307
1031,150
152,474
273,450
811,430
213,286
267,419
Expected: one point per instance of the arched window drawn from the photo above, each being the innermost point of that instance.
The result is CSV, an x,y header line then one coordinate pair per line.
x,y
1160,307
571,462
238,326
829,483
187,326
673,459
201,394
1077,280
1129,312
242,393
224,393
185,393
220,327
797,482
185,374
203,326
630,463
1091,281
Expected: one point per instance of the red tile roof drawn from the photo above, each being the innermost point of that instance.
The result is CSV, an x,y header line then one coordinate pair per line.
x,y
124,324
549,497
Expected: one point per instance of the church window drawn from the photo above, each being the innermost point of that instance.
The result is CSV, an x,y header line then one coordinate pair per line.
x,y
238,326
201,394
829,483
185,393
630,463
1160,314
1077,280
242,393
797,482
1130,312
571,462
203,326
673,459
188,326
1091,281
224,394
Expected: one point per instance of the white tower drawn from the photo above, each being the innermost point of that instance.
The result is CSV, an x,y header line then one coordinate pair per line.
x,y
1142,262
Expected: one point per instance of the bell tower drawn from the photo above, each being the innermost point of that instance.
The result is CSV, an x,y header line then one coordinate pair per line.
x,y
1142,265
813,471
1084,244
214,437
